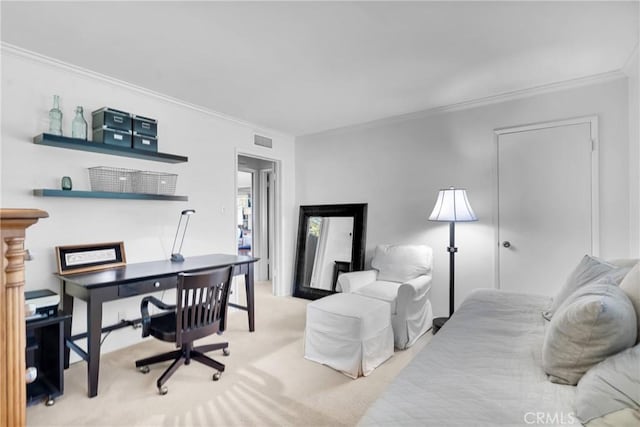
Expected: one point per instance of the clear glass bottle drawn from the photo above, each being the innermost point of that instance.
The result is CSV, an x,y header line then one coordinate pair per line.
x,y
55,117
79,125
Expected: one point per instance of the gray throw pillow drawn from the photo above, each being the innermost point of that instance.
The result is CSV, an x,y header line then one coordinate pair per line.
x,y
589,269
610,386
596,321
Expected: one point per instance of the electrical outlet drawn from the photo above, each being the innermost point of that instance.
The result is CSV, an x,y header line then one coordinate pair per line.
x,y
122,316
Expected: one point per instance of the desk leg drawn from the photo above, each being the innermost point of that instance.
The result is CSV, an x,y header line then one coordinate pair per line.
x,y
248,282
94,335
67,308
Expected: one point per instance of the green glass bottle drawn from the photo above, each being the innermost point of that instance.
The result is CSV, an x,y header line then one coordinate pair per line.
x,y
66,183
79,125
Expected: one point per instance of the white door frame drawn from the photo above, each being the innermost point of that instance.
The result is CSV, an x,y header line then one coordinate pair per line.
x,y
277,262
266,219
592,121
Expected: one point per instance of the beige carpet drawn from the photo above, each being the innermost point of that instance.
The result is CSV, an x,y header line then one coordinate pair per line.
x,y
267,381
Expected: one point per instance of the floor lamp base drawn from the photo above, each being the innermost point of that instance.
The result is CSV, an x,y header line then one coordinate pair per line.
x,y
438,323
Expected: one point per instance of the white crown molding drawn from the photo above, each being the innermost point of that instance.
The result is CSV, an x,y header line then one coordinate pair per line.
x,y
480,102
7,48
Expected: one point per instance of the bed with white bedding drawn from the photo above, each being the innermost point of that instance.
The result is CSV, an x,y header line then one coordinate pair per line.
x,y
483,368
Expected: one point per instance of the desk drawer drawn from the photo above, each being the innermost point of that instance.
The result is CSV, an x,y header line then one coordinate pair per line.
x,y
147,286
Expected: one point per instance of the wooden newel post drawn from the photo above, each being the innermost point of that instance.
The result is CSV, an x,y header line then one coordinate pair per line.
x,y
13,401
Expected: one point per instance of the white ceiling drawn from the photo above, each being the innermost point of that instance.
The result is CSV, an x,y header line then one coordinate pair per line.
x,y
304,67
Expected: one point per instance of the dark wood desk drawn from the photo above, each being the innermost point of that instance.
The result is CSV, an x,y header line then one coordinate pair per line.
x,y
99,287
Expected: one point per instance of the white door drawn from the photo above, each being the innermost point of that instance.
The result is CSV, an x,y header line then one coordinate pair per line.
x,y
547,199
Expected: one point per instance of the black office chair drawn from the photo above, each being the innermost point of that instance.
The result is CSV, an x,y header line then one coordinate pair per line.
x,y
199,311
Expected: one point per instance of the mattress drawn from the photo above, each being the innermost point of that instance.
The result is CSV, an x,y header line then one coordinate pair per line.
x,y
483,368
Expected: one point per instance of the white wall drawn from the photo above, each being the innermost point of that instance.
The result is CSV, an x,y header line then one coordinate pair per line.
x,y
147,228
398,165
632,70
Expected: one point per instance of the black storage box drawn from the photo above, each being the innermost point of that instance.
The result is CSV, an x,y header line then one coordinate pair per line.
x,y
111,118
112,137
145,126
144,142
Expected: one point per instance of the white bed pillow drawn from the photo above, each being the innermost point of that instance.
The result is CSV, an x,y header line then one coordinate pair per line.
x,y
595,322
612,386
588,269
401,263
631,286
623,262
626,417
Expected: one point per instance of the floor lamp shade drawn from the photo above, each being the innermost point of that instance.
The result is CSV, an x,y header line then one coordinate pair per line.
x,y
452,205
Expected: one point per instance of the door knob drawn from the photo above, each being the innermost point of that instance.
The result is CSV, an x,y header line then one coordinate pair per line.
x,y
506,244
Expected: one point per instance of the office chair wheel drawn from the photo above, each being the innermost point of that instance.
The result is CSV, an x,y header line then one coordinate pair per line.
x,y
144,369
163,390
216,376
50,402
226,351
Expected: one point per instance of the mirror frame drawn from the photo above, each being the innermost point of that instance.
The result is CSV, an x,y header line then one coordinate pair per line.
x,y
358,211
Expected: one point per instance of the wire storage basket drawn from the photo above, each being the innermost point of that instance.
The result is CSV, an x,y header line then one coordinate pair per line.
x,y
118,180
149,182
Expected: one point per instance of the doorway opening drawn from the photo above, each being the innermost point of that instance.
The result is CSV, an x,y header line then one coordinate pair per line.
x,y
255,216
245,212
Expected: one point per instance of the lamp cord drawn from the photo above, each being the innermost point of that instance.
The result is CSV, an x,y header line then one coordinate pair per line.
x,y
104,338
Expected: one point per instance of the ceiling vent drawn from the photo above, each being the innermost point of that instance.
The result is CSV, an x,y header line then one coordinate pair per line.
x,y
262,141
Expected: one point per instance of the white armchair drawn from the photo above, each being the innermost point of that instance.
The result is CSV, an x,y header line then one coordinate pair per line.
x,y
401,276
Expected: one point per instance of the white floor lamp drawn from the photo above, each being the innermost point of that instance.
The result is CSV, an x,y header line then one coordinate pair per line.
x,y
452,206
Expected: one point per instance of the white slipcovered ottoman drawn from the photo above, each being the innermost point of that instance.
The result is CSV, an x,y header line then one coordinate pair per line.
x,y
349,332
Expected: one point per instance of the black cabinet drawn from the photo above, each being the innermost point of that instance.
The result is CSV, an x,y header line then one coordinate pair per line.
x,y
45,345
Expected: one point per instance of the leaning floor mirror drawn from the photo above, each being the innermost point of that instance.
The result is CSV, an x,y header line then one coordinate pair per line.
x,y
331,240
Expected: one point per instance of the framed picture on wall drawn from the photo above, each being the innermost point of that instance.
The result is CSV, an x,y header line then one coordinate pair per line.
x,y
89,257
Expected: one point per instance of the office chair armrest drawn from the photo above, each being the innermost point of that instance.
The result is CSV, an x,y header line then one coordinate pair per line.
x,y
144,310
